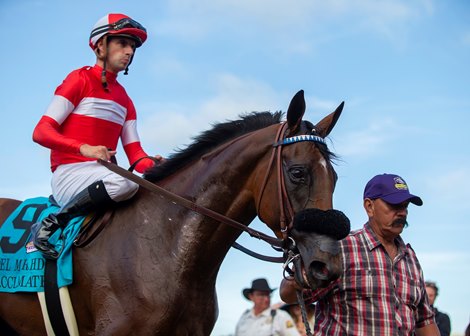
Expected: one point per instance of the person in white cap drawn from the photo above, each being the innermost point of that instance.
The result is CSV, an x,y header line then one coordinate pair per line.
x,y
381,290
89,113
262,320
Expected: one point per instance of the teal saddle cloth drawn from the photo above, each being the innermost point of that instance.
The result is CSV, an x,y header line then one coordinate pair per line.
x,y
21,265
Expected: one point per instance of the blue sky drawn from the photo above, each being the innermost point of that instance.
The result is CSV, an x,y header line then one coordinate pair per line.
x,y
402,68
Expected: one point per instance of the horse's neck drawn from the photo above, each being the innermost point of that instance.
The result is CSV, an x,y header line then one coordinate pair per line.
x,y
218,182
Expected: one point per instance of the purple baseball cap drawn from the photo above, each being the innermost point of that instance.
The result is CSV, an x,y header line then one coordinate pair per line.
x,y
390,188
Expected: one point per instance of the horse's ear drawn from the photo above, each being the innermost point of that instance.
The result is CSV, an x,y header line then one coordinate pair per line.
x,y
324,127
296,111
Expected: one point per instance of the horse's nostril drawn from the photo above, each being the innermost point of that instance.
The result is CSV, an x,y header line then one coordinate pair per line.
x,y
319,270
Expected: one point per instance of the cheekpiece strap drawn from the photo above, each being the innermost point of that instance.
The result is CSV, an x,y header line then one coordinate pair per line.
x,y
299,138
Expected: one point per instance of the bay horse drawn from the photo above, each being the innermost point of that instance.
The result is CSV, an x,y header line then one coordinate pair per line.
x,y
153,268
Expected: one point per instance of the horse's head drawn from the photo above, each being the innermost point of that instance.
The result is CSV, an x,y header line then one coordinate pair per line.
x,y
260,166
300,177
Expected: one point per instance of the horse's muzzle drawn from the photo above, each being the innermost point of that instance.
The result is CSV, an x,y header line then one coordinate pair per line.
x,y
316,233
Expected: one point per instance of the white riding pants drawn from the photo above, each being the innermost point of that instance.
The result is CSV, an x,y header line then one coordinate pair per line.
x,y
69,179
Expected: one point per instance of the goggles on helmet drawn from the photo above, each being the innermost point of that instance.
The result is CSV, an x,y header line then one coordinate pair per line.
x,y
118,25
127,23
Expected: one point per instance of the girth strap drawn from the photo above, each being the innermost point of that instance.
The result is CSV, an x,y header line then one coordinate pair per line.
x,y
54,307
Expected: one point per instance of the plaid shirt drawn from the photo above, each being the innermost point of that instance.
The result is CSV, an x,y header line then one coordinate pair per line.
x,y
375,295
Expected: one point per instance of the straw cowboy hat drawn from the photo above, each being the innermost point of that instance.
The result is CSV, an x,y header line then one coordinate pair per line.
x,y
258,285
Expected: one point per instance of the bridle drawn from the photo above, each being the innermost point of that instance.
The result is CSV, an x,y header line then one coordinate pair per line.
x,y
283,199
285,205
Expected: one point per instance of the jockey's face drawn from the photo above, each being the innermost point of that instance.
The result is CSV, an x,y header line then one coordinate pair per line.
x,y
119,52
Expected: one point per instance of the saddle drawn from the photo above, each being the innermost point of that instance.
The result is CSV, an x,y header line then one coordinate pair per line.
x,y
92,226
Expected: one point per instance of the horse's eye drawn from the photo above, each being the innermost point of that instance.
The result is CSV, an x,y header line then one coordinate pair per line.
x,y
297,173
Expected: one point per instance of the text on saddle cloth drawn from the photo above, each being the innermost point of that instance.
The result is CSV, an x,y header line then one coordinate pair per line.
x,y
21,265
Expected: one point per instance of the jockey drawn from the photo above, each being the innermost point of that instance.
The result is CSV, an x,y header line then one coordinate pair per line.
x,y
89,113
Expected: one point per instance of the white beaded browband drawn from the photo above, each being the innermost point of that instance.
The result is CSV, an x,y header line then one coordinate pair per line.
x,y
298,138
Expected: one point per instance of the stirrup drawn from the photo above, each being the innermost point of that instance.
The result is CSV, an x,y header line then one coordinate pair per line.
x,y
48,251
42,244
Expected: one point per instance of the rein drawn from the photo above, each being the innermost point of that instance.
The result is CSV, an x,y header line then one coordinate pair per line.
x,y
190,205
301,302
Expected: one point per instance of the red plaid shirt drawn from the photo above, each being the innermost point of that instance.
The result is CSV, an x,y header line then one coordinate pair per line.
x,y
375,295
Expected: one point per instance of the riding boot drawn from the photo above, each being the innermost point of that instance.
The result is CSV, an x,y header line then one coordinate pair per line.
x,y
89,199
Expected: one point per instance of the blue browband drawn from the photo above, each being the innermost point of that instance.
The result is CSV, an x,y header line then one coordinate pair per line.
x,y
298,138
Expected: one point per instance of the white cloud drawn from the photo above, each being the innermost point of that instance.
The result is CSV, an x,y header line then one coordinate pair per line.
x,y
283,12
237,95
320,106
466,38
440,261
24,191
185,27
367,141
175,124
191,19
167,66
451,186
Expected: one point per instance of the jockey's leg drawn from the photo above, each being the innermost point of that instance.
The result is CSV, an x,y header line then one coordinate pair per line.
x,y
89,199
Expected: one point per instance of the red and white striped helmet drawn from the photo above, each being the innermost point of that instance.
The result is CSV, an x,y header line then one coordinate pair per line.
x,y
118,24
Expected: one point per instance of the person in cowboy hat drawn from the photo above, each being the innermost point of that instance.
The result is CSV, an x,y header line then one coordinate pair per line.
x,y
381,290
262,320
89,113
